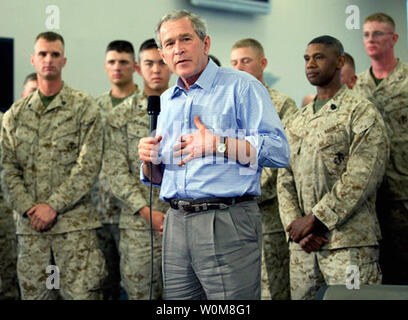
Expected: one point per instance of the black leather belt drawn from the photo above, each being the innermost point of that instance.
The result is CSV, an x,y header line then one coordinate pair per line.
x,y
206,204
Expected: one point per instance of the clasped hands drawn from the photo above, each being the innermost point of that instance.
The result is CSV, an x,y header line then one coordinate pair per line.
x,y
304,231
42,217
198,144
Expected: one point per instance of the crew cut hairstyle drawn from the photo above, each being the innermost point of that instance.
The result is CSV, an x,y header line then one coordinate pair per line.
x,y
30,77
199,24
121,46
50,36
252,43
147,45
380,17
329,41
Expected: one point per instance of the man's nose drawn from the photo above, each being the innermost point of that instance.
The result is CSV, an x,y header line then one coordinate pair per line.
x,y
178,47
311,63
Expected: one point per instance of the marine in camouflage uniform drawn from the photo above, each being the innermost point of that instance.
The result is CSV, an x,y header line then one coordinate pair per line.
x,y
126,125
390,97
108,207
8,250
52,155
275,251
338,157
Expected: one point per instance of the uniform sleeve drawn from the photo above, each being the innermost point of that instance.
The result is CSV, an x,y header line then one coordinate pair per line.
x,y
264,128
289,108
364,172
125,185
289,209
15,191
84,173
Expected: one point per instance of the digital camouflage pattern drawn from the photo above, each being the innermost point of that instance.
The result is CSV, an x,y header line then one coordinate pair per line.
x,y
108,206
53,155
80,262
8,249
127,123
391,99
338,158
135,264
309,272
275,267
286,108
108,240
275,257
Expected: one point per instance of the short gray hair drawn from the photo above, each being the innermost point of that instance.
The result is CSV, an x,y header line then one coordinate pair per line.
x,y
199,25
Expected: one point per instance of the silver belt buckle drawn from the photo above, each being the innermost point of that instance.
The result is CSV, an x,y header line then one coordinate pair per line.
x,y
182,203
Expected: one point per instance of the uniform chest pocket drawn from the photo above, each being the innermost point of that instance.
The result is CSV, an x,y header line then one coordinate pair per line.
x,y
136,131
66,145
25,135
25,143
333,148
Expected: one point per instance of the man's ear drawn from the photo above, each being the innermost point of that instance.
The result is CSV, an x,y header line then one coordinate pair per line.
x,y
137,68
353,81
395,38
207,44
162,55
264,63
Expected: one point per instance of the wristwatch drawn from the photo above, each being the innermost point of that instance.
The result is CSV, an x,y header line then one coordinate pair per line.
x,y
221,146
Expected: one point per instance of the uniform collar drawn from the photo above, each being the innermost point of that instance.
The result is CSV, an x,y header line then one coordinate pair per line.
x,y
330,106
59,101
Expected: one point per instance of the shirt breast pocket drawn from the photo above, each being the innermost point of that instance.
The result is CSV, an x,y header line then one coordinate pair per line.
x,y
219,123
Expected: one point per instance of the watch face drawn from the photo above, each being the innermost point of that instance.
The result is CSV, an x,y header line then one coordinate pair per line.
x,y
221,148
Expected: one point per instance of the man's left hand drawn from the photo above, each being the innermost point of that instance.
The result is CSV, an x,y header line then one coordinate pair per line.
x,y
312,242
42,216
199,144
301,227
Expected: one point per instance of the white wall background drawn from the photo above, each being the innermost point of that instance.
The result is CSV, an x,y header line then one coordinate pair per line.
x,y
89,25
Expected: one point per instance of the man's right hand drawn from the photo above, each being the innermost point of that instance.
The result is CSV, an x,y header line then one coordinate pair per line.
x,y
157,218
149,149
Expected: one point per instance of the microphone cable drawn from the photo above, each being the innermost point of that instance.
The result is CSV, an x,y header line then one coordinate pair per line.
x,y
153,110
151,231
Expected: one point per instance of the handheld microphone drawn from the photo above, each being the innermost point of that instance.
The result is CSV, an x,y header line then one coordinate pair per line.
x,y
153,110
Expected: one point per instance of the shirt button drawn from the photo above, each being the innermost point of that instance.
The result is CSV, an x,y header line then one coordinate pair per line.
x,y
186,121
180,187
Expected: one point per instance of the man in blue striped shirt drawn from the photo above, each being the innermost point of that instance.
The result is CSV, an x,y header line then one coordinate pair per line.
x,y
216,131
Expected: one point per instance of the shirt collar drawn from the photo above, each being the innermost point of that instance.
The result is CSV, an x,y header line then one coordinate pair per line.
x,y
205,81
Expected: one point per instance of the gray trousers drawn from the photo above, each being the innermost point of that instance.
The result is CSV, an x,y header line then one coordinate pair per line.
x,y
213,254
